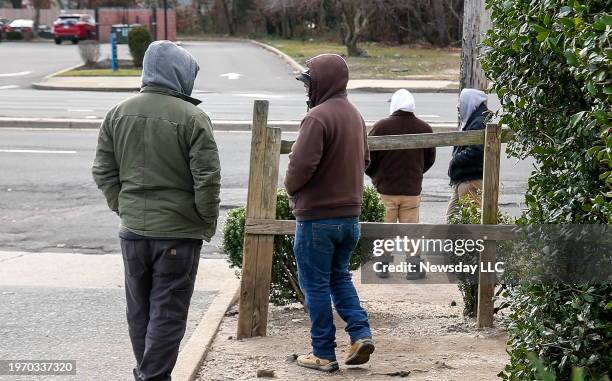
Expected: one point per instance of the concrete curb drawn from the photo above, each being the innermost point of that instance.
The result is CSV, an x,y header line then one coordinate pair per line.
x,y
197,347
416,90
42,86
293,63
219,125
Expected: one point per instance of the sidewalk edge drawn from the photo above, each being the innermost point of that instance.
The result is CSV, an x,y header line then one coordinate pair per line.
x,y
415,90
293,63
197,347
42,86
218,125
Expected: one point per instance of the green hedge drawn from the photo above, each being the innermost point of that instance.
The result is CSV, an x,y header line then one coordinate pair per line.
x,y
550,63
285,288
139,40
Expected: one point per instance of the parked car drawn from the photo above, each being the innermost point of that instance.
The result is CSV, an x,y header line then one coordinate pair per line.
x,y
21,29
74,27
4,23
45,32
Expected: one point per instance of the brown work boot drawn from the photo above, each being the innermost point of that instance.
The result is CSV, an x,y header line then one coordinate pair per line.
x,y
313,362
360,352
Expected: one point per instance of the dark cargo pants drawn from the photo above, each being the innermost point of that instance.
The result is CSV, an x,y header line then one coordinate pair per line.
x,y
159,281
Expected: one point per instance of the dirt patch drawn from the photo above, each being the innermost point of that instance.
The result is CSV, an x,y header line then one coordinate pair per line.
x,y
418,334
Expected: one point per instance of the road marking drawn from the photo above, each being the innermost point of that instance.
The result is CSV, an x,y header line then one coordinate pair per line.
x,y
35,151
231,75
8,87
272,96
15,74
429,116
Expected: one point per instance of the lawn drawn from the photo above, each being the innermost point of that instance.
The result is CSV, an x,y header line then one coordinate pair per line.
x,y
101,73
384,61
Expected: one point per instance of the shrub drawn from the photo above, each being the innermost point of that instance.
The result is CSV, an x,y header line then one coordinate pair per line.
x,y
139,40
284,288
89,50
14,36
550,65
468,212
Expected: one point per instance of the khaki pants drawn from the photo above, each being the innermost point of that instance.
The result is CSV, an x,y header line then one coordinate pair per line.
x,y
473,188
403,209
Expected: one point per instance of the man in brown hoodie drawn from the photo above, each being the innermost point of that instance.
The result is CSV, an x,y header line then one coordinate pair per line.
x,y
325,181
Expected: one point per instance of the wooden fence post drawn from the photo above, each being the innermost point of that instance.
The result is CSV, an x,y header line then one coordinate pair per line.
x,y
486,280
261,203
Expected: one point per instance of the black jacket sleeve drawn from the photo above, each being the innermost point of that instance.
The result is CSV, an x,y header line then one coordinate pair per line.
x,y
469,155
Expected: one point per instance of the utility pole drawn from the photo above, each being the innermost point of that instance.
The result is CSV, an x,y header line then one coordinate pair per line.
x,y
165,19
476,22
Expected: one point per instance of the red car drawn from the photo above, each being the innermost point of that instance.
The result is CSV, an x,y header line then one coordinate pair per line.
x,y
74,27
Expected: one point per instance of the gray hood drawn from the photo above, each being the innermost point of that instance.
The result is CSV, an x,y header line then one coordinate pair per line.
x,y
169,66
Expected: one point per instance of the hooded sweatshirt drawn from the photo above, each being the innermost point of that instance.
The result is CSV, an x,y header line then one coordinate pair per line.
x,y
467,161
169,66
469,101
400,172
156,160
327,162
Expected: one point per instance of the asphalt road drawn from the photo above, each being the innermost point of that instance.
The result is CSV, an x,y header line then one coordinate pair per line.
x,y
50,203
232,75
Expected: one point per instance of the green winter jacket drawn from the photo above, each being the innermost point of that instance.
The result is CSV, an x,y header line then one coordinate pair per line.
x,y
157,164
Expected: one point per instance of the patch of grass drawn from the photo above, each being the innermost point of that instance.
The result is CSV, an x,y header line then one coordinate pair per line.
x,y
384,61
102,73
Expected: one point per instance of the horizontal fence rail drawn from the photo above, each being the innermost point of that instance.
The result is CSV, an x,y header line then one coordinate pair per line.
x,y
412,141
392,230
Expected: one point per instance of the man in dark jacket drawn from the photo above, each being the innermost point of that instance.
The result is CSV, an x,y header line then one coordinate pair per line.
x,y
325,181
398,175
465,168
158,167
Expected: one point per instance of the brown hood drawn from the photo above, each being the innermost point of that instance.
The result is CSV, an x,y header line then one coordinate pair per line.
x,y
329,76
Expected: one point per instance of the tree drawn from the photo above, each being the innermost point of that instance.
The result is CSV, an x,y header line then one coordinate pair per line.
x,y
476,22
38,5
355,16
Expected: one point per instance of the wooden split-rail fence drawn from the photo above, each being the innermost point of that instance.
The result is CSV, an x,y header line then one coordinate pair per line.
x,y
262,226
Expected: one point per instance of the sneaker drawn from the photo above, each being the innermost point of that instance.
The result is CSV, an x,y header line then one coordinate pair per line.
x,y
313,362
360,352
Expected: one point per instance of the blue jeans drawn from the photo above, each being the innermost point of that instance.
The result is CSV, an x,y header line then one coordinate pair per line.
x,y
322,251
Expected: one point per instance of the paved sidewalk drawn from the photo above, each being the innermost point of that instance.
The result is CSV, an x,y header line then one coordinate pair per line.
x,y
414,85
72,307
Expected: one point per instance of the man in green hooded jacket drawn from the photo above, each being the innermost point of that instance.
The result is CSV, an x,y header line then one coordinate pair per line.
x,y
157,164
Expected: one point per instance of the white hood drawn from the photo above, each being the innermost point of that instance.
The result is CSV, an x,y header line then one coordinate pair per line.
x,y
469,100
402,100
